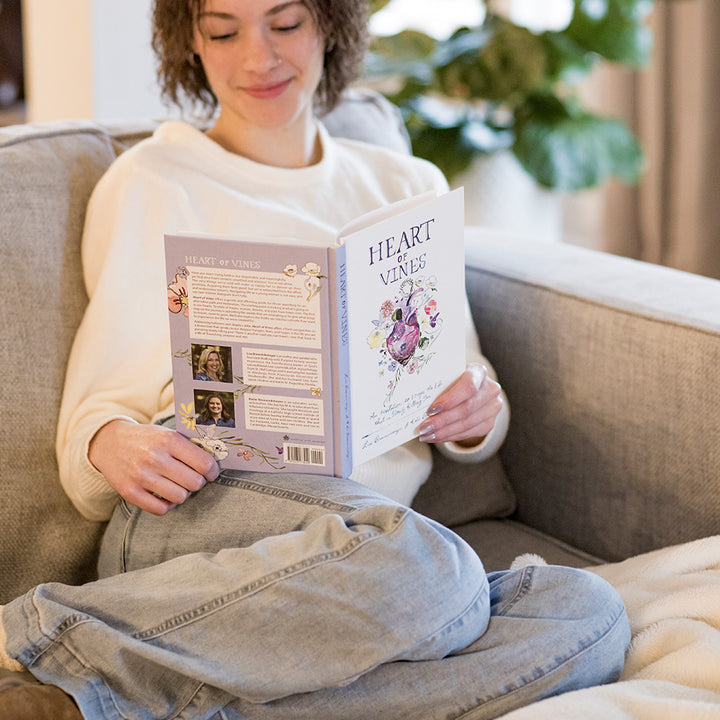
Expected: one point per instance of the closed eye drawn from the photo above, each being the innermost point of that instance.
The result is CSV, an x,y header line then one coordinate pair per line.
x,y
288,28
226,36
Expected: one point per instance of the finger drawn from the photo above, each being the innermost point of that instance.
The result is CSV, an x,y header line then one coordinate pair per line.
x,y
478,403
194,457
469,383
473,418
148,501
166,489
465,429
181,474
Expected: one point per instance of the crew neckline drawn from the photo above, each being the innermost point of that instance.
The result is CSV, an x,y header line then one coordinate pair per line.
x,y
195,141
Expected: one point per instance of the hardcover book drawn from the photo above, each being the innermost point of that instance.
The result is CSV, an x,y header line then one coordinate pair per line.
x,y
294,357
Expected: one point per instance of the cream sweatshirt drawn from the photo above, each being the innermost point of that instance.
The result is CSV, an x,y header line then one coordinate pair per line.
x,y
181,181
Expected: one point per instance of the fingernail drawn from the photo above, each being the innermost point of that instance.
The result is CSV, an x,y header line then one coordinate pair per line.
x,y
426,432
434,410
477,373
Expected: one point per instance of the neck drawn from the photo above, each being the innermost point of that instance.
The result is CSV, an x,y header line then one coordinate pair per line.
x,y
295,146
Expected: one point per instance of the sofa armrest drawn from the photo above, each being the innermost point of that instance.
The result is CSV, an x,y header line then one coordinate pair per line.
x,y
612,370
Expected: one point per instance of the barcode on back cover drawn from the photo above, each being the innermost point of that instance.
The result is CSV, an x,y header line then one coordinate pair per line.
x,y
304,454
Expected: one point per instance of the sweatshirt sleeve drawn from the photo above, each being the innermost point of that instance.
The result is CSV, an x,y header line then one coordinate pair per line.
x,y
492,442
119,366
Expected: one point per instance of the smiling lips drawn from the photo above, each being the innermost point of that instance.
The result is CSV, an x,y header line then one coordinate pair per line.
x,y
267,91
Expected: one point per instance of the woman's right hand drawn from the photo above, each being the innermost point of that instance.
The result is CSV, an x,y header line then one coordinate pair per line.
x,y
152,467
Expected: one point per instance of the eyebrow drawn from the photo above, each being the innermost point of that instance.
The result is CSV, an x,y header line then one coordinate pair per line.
x,y
275,10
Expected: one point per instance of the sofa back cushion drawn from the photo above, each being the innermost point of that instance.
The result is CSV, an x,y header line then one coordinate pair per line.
x,y
46,177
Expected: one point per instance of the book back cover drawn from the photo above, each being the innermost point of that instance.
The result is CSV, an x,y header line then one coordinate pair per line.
x,y
249,335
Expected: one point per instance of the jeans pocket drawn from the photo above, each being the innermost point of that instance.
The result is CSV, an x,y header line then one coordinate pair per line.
x,y
111,560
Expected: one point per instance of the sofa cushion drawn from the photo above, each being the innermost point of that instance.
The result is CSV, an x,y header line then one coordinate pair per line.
x,y
46,176
456,493
613,446
499,541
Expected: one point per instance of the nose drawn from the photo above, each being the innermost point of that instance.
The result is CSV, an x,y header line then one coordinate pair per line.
x,y
260,55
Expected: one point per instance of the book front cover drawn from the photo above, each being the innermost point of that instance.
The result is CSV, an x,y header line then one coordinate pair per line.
x,y
248,326
406,305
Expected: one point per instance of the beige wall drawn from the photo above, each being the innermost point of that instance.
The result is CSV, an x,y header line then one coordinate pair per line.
x,y
89,59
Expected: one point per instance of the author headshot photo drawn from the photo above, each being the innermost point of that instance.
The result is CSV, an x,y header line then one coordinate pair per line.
x,y
214,410
211,365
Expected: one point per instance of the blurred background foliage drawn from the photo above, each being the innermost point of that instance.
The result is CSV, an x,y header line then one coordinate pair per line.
x,y
502,86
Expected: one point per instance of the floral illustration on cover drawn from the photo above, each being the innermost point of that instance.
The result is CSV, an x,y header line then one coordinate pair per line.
x,y
217,442
177,293
312,273
406,328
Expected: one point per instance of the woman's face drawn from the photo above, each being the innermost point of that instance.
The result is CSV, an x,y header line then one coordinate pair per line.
x,y
213,363
263,59
215,406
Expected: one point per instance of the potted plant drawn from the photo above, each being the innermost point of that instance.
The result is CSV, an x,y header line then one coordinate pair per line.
x,y
501,86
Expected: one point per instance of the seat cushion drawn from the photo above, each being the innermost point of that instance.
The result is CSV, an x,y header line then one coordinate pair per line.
x,y
499,541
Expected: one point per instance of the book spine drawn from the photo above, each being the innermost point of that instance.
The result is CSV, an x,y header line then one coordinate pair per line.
x,y
342,437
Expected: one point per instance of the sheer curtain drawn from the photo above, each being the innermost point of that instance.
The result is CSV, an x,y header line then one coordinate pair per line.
x,y
673,216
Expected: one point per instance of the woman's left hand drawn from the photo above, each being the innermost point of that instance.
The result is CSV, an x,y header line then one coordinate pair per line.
x,y
464,412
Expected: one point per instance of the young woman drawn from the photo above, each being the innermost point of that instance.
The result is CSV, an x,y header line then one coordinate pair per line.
x,y
273,596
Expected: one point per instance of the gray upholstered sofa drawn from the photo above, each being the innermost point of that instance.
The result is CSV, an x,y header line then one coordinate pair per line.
x,y
612,369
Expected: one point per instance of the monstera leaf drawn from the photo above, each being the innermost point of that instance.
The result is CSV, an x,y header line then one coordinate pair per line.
x,y
564,147
509,87
615,29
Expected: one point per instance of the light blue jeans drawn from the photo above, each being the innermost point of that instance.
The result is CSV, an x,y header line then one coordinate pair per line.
x,y
297,597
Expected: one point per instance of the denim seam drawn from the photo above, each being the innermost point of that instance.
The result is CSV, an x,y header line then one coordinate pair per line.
x,y
283,494
541,675
219,603
75,621
523,588
126,536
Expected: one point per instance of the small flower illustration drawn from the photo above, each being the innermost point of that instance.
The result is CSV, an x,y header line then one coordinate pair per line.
x,y
406,287
312,285
387,308
178,295
187,415
311,268
246,455
316,391
311,276
208,442
431,307
375,338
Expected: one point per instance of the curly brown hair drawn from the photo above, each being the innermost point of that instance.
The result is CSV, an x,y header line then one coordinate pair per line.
x,y
343,24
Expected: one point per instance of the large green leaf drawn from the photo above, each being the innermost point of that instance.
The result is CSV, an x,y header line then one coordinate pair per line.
x,y
615,29
566,60
446,147
449,135
566,148
494,62
403,55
